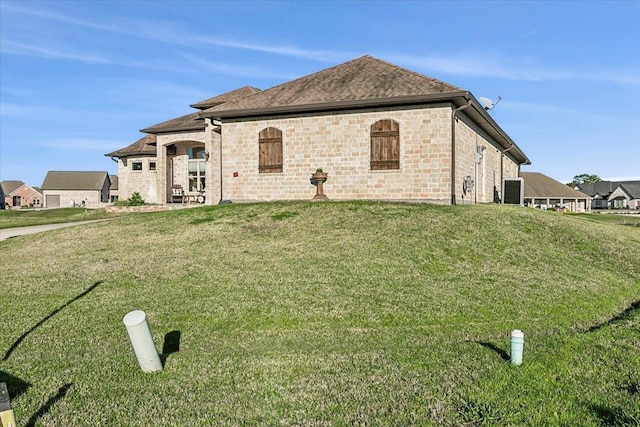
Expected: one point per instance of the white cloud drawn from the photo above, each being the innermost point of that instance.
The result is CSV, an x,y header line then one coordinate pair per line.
x,y
87,144
495,66
9,47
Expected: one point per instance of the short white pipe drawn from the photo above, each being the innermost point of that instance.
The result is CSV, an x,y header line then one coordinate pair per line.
x,y
517,346
142,342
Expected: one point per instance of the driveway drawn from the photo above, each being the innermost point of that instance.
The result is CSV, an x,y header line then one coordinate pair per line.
x,y
7,233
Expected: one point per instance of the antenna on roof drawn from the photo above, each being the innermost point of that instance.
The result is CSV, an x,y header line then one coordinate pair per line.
x,y
489,104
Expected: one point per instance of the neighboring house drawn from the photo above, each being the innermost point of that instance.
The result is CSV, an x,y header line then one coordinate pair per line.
x,y
381,132
613,194
19,194
76,188
625,196
114,194
541,191
3,203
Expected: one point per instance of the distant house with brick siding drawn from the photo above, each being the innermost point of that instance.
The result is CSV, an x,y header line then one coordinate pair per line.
x,y
19,194
76,188
380,131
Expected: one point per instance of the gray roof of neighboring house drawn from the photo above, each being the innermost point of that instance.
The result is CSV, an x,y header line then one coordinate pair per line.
x,y
145,146
364,78
604,188
9,186
74,180
633,190
225,97
540,186
114,182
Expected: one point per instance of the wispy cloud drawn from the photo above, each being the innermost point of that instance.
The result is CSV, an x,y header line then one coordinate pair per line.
x,y
495,66
555,110
255,72
87,144
9,47
23,110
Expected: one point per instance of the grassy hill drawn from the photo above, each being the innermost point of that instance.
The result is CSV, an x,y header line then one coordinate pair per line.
x,y
326,314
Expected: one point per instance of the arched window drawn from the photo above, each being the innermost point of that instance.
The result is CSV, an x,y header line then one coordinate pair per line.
x,y
270,148
385,145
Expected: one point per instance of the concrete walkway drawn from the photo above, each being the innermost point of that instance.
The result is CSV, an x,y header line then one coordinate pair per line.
x,y
7,233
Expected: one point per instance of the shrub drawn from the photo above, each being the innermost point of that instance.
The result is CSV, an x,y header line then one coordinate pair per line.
x,y
135,200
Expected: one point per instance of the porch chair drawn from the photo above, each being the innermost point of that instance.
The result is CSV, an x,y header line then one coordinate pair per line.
x,y
177,194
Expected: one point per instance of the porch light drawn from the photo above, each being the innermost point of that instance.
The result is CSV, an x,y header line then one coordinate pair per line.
x,y
206,155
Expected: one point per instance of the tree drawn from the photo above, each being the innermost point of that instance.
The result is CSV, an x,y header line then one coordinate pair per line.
x,y
584,178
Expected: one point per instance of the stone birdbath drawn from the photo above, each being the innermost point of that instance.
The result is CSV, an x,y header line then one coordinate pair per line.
x,y
318,178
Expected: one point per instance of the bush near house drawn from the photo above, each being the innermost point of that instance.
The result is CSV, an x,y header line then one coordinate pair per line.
x,y
352,313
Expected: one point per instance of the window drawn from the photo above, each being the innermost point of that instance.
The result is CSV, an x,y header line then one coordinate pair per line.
x,y
152,166
385,145
136,166
196,152
197,168
196,175
270,149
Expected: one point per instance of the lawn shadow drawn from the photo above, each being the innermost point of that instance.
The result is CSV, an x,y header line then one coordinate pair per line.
x,y
15,386
630,311
49,316
502,353
171,345
62,391
613,416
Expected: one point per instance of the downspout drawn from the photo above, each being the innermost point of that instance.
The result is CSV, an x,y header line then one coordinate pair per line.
x,y
453,150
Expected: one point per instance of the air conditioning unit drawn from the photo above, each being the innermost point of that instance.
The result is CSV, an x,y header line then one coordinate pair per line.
x,y
513,191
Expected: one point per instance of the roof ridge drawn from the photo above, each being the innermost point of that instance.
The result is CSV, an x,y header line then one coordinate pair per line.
x,y
413,72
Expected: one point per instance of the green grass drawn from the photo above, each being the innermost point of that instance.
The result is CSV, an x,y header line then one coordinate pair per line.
x,y
27,217
326,314
631,218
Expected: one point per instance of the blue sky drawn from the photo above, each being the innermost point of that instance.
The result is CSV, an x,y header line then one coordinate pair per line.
x,y
78,79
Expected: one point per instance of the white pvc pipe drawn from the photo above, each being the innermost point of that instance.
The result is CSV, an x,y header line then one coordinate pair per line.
x,y
142,342
517,346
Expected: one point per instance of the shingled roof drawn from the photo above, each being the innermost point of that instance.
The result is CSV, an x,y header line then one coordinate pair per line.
x,y
74,180
145,146
226,97
364,78
9,186
604,188
540,186
191,121
194,121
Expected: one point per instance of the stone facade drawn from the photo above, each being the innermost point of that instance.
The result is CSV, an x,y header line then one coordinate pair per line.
x,y
143,181
74,198
340,145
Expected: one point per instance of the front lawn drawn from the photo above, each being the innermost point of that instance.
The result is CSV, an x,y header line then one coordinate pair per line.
x,y
326,314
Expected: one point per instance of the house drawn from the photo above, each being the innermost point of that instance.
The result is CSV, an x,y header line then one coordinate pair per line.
x,y
541,191
3,204
380,131
113,189
75,188
625,196
18,194
613,194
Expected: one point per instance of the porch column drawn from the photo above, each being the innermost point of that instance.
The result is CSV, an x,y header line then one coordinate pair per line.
x,y
161,173
213,141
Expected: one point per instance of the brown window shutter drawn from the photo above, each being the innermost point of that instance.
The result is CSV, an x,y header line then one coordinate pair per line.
x,y
385,145
270,150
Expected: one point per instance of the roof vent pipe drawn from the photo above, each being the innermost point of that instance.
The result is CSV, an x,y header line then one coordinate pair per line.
x,y
453,150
